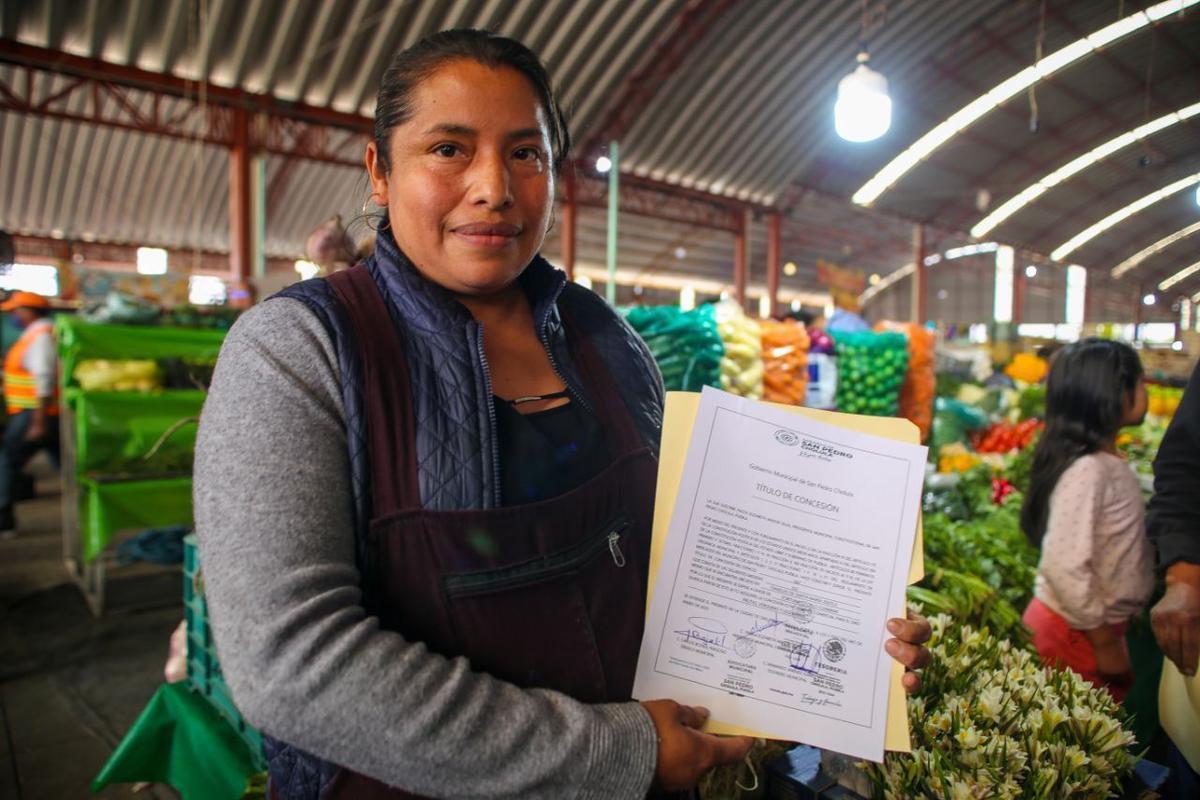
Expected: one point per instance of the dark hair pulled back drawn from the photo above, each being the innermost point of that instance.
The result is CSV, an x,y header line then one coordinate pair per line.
x,y
1089,385
408,68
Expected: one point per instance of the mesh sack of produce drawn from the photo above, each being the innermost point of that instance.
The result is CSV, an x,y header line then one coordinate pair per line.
x,y
685,344
742,366
785,361
871,369
920,382
122,376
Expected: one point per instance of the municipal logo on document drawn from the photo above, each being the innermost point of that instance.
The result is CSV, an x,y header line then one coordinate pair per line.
x,y
784,436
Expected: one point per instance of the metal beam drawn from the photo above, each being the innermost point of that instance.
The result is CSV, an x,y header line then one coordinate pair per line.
x,y
639,88
12,52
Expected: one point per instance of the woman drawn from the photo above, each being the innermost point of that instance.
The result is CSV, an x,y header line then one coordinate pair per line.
x,y
1085,510
447,451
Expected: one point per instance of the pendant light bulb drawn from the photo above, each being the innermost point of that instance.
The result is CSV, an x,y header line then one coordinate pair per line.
x,y
863,111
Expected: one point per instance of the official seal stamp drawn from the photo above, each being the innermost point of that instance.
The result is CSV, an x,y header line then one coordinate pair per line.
x,y
833,650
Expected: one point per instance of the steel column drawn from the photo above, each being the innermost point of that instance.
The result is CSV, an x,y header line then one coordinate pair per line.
x,y
740,259
241,230
614,212
568,223
920,287
774,257
1018,293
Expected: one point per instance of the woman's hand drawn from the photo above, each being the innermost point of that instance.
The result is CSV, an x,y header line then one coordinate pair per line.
x,y
907,647
1176,618
684,753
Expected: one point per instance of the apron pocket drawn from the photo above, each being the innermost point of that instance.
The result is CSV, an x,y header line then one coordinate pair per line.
x,y
528,623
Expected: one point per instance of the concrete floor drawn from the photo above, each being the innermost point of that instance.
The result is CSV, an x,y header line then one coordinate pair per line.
x,y
70,684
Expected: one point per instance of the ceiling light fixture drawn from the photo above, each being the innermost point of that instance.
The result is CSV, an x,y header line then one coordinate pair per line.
x,y
863,111
1149,300
1031,271
1137,258
1036,189
921,149
1087,234
603,164
1182,275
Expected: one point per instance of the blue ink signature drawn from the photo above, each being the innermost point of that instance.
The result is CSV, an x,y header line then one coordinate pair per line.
x,y
766,626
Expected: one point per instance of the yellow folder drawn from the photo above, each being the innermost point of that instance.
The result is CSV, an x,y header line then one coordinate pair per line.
x,y
678,419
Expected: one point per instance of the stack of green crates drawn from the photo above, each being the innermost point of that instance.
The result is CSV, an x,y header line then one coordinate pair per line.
x,y
203,667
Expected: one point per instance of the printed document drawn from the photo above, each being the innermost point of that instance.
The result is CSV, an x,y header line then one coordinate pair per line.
x,y
789,546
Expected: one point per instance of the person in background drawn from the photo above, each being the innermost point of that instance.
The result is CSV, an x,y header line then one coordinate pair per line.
x,y
1173,524
1084,509
31,395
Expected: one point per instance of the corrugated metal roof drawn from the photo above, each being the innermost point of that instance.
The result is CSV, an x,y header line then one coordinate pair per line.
x,y
746,113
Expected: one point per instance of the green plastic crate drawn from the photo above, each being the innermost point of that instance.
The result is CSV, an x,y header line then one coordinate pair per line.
x,y
203,667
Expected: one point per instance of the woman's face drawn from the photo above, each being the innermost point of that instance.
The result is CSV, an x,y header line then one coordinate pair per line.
x,y
471,184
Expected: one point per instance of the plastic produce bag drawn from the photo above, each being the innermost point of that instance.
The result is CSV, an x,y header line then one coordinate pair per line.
x,y
685,344
871,369
785,361
742,366
953,421
920,382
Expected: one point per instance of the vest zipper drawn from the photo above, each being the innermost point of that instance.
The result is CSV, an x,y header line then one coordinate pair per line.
x,y
491,407
615,549
575,394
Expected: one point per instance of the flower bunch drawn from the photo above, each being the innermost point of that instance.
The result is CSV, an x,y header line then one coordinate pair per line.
x,y
992,722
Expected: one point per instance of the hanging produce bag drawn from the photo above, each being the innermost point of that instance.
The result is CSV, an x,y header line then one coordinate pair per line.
x,y
920,382
742,366
871,369
785,361
685,344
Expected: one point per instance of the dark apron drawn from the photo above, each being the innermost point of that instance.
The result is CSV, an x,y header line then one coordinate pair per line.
x,y
545,595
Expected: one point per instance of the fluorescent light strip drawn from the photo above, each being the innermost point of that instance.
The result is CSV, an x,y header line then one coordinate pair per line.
x,y
1162,244
919,150
1086,235
888,280
1032,192
1182,275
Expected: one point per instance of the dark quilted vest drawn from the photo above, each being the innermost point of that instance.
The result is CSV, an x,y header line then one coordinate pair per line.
x,y
458,464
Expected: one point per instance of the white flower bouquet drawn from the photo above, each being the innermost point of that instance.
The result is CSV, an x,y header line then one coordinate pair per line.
x,y
992,722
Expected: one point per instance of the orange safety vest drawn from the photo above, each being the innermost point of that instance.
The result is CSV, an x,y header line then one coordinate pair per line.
x,y
20,392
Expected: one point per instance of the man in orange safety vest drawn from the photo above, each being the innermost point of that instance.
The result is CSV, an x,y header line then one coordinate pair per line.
x,y
31,396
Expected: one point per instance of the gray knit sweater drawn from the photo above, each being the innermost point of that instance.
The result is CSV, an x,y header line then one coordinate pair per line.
x,y
305,663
